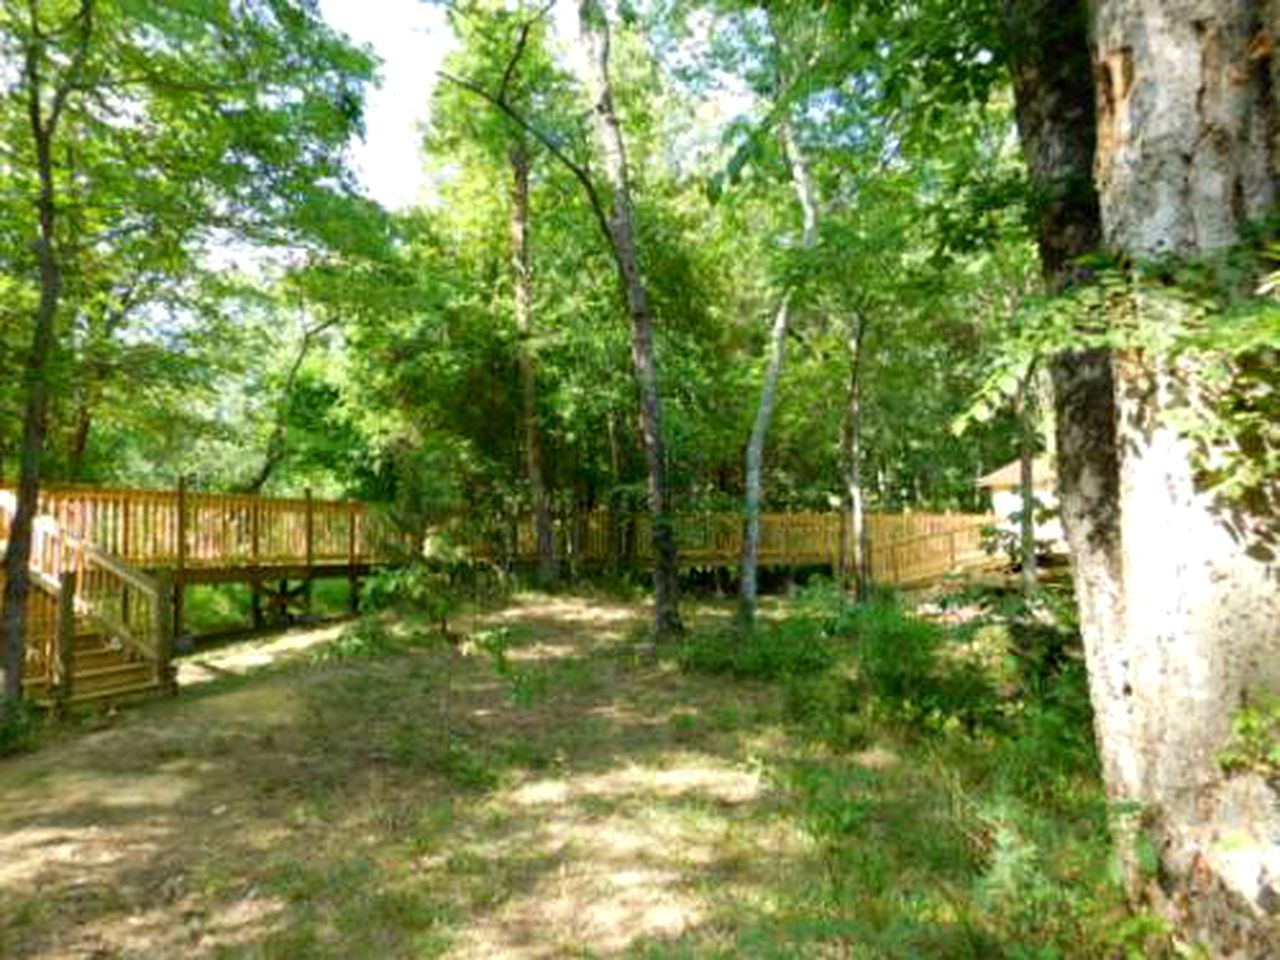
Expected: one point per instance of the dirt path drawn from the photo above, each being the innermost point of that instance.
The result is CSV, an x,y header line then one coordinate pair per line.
x,y
555,799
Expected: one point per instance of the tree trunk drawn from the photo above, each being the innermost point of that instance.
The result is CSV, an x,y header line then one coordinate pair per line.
x,y
35,416
1027,486
1048,46
1184,135
522,268
595,31
79,445
753,494
855,548
754,482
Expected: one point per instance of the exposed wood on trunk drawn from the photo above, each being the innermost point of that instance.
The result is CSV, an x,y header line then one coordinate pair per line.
x,y
522,270
45,109
754,466
595,31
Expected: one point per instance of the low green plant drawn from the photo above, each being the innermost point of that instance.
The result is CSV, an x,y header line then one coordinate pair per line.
x,y
18,725
366,639
794,647
1254,746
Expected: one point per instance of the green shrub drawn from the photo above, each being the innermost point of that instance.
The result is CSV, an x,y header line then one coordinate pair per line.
x,y
18,724
366,639
795,647
896,654
826,705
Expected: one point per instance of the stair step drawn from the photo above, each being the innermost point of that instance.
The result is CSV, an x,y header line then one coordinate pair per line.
x,y
114,691
95,659
81,677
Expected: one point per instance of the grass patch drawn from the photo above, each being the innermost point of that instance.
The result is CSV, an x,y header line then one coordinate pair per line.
x,y
947,779
530,787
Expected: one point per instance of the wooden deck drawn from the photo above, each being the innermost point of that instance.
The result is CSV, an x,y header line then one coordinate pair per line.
x,y
109,569
906,549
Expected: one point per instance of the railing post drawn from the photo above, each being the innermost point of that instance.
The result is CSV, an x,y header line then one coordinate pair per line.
x,y
311,549
253,531
353,579
167,619
62,662
175,629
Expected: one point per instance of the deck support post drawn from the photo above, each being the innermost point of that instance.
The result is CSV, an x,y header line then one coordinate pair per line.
x,y
63,660
311,531
353,578
169,591
178,579
255,604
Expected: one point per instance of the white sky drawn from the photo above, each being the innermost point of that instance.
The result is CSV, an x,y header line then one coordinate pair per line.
x,y
412,38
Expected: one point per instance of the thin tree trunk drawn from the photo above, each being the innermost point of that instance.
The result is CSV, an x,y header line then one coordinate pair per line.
x,y
43,125
595,31
80,440
278,442
754,477
522,268
855,548
754,493
1027,487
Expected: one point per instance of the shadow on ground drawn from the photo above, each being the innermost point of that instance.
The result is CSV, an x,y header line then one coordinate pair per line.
x,y
562,799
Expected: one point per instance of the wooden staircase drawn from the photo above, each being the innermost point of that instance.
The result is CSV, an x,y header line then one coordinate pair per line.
x,y
96,629
100,670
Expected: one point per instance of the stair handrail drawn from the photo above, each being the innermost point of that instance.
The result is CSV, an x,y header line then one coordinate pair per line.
x,y
127,604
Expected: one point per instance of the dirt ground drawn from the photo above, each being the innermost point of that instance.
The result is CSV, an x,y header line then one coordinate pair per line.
x,y
537,792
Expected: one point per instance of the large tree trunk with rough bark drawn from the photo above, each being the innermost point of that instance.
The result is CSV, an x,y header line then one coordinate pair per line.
x,y
754,466
522,269
1048,47
1185,120
1180,623
595,32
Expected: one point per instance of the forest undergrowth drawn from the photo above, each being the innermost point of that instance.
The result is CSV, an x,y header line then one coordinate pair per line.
x,y
850,782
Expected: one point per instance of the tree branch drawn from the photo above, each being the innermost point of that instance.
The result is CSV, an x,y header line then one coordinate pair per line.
x,y
521,43
75,68
580,173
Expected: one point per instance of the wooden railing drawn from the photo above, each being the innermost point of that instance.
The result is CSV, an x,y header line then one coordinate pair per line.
x,y
180,529
74,580
905,548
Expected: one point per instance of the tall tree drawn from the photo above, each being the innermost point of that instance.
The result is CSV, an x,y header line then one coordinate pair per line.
x,y
596,31
522,273
1179,609
754,467
139,114
50,77
1184,160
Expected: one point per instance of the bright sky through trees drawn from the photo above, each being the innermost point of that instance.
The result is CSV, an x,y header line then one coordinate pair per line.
x,y
411,38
